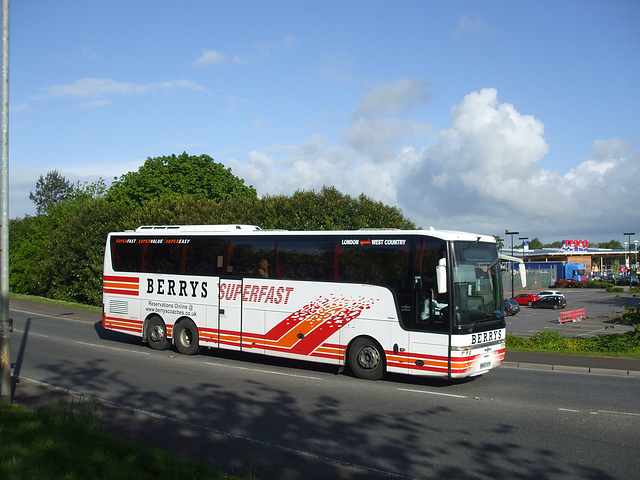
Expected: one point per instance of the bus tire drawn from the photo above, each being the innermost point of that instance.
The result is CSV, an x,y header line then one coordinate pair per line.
x,y
157,334
366,359
186,337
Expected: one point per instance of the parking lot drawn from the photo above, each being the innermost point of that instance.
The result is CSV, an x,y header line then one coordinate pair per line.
x,y
601,309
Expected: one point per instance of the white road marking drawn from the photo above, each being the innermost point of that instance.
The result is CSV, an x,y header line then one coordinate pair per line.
x,y
432,393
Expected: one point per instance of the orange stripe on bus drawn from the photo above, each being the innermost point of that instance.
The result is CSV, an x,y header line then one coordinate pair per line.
x,y
129,286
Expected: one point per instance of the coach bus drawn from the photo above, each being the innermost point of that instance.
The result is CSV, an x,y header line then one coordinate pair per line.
x,y
411,302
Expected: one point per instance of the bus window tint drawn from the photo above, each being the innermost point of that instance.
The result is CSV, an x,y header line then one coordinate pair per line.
x,y
161,258
203,256
247,256
125,255
304,259
379,265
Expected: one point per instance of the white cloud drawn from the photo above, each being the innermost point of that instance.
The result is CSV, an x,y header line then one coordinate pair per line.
x,y
210,57
482,174
87,88
472,26
377,125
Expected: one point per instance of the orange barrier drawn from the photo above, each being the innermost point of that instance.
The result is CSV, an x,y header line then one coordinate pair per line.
x,y
572,316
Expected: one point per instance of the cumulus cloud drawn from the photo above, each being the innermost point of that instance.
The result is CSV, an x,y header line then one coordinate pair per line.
x,y
481,174
379,124
484,174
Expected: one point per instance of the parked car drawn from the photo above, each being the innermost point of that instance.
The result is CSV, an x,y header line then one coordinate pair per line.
x,y
550,301
511,307
546,293
526,298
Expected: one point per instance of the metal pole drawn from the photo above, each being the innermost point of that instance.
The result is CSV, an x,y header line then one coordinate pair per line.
x,y
5,354
507,232
628,263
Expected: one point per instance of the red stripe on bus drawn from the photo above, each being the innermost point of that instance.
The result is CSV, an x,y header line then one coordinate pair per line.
x,y
116,278
121,292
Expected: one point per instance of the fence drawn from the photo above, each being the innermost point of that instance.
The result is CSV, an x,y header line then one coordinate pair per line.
x,y
572,316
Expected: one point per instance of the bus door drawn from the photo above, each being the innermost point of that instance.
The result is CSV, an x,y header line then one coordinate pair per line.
x,y
430,325
230,314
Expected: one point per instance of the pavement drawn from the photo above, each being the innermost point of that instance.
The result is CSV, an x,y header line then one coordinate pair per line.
x,y
237,455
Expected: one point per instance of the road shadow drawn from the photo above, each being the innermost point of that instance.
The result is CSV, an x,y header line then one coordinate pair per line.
x,y
284,436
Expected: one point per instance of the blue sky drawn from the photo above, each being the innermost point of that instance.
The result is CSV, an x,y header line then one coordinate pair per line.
x,y
468,115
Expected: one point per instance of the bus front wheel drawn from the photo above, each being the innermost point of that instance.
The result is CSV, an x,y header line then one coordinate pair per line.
x,y
157,334
366,359
186,337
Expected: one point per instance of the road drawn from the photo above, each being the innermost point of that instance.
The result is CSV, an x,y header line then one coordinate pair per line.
x,y
299,421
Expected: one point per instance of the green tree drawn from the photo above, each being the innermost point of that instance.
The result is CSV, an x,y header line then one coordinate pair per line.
x,y
612,244
328,209
535,244
183,175
50,190
557,244
60,255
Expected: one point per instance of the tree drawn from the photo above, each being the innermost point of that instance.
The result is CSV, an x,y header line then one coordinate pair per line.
x,y
328,209
50,190
182,175
612,244
535,244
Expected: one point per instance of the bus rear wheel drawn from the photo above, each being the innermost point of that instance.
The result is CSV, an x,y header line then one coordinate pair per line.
x,y
186,337
157,334
366,359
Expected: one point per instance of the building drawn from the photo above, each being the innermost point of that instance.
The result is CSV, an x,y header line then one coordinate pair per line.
x,y
598,261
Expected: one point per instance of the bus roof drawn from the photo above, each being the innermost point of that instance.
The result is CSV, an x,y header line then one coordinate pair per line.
x,y
255,230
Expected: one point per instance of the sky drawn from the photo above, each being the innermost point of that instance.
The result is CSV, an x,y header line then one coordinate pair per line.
x,y
480,116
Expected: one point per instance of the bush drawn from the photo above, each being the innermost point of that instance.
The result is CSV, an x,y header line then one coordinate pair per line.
x,y
548,340
621,342
515,342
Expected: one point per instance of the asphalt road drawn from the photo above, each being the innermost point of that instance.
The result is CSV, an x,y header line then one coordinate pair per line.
x,y
295,420
601,308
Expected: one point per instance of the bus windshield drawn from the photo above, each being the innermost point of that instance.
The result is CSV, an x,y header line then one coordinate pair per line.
x,y
476,286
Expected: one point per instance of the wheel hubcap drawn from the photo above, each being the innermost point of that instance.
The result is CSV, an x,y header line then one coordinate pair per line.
x,y
368,358
157,333
186,337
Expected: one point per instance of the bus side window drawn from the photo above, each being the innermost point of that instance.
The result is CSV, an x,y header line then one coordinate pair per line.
x,y
125,257
246,256
203,256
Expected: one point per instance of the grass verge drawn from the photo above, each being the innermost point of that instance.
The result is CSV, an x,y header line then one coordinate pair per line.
x,y
49,301
68,442
613,345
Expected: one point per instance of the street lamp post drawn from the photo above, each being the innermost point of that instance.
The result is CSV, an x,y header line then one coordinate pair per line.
x,y
628,234
507,232
523,239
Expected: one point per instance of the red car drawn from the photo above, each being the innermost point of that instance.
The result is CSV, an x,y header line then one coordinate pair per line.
x,y
526,298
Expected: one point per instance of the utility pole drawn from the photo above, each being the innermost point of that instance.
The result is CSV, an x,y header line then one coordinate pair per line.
x,y
507,232
5,324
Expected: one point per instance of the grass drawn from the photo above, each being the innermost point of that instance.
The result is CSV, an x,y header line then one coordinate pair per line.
x,y
68,442
48,301
612,345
